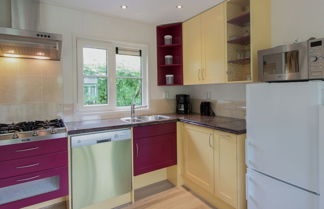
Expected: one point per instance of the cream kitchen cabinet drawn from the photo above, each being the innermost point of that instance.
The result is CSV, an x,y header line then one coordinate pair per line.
x,y
198,155
213,165
204,47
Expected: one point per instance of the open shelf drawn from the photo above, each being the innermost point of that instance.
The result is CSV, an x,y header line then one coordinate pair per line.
x,y
170,45
174,49
243,40
173,65
241,20
240,61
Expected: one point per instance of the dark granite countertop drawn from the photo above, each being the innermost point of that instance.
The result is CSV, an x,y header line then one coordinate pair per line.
x,y
231,125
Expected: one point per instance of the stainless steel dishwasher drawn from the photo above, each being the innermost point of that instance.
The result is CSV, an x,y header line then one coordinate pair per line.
x,y
101,166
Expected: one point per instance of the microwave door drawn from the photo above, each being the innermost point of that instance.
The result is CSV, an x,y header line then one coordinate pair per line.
x,y
292,62
273,64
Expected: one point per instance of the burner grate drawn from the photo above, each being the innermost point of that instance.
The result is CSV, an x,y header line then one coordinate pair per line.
x,y
31,126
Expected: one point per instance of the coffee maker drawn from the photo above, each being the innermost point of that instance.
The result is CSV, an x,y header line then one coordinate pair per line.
x,y
183,104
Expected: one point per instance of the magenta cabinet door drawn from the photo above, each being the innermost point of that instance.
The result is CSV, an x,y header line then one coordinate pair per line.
x,y
154,152
28,149
56,179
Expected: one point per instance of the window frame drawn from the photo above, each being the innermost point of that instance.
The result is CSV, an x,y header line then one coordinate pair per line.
x,y
111,76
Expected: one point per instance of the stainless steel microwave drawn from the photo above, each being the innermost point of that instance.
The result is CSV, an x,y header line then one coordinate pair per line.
x,y
283,63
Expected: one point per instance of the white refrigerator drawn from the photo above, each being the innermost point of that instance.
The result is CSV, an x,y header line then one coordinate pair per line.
x,y
283,145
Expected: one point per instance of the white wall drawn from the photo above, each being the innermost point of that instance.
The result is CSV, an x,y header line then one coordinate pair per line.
x,y
72,23
296,19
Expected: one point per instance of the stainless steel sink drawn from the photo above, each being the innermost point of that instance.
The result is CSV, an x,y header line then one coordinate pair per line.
x,y
145,118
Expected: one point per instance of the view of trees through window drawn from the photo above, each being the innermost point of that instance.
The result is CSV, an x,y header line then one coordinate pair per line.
x,y
96,73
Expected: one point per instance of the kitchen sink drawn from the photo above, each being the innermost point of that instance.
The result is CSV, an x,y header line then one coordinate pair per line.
x,y
145,118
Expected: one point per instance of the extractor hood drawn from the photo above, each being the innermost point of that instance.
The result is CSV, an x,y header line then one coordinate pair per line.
x,y
23,40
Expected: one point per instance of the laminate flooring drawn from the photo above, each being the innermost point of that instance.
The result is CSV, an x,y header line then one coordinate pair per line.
x,y
175,198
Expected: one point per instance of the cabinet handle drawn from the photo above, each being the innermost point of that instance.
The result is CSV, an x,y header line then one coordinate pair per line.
x,y
29,149
199,76
203,74
26,179
28,166
210,144
137,150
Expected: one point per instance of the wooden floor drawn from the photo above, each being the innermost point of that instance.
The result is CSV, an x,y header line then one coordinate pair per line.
x,y
175,198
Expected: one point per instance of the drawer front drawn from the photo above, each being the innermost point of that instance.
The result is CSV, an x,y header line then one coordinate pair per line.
x,y
33,164
154,130
28,149
27,185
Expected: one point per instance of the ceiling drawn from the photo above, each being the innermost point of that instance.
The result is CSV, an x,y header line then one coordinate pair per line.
x,y
148,11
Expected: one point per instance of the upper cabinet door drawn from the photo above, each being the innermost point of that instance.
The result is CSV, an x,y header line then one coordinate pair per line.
x,y
192,49
214,45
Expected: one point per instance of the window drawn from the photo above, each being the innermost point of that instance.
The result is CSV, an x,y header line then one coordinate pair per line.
x,y
110,76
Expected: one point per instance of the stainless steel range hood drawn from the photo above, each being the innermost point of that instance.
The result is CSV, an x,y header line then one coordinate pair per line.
x,y
23,40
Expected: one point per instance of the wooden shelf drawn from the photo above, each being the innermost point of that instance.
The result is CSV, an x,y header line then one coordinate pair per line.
x,y
171,84
240,61
243,40
241,20
173,65
170,45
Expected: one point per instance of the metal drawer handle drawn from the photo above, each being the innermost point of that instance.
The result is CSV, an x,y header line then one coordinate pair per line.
x,y
26,179
137,149
28,166
29,149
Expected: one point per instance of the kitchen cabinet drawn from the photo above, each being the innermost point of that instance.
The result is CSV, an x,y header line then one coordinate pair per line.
x,y
213,165
221,44
248,30
154,147
174,49
198,155
226,167
192,49
204,47
34,172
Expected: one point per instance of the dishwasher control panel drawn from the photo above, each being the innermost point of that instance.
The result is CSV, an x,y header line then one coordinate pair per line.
x,y
100,137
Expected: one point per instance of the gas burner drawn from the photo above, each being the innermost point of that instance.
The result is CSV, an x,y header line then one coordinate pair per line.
x,y
33,126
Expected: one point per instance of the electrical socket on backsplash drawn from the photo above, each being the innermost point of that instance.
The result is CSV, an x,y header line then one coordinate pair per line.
x,y
208,95
166,95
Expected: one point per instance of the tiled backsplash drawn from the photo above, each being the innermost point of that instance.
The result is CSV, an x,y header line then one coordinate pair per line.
x,y
231,109
157,106
30,89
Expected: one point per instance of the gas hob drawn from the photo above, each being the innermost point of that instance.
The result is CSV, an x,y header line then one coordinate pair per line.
x,y
31,131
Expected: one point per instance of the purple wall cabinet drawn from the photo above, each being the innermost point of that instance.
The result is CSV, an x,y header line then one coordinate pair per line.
x,y
155,147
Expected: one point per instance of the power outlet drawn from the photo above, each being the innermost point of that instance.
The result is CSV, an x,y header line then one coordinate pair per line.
x,y
208,95
166,95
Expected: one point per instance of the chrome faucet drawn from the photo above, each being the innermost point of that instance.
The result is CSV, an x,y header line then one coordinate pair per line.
x,y
132,111
133,105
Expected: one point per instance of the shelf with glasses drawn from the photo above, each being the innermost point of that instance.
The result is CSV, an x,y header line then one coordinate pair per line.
x,y
242,20
242,40
243,61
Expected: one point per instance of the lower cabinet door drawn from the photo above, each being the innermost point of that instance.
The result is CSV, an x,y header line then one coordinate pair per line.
x,y
156,152
198,156
29,189
226,165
